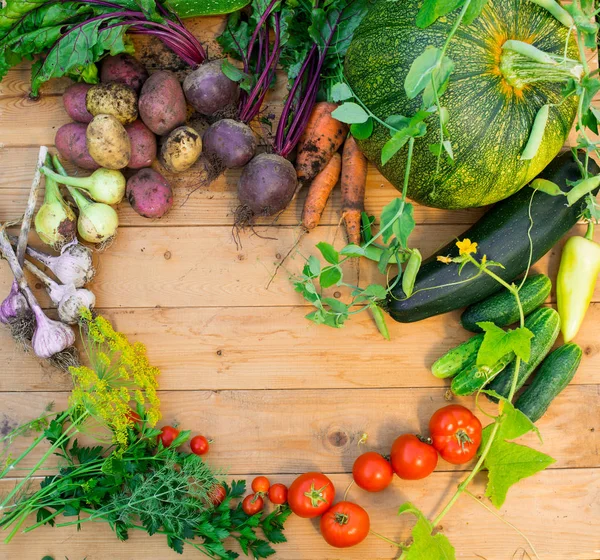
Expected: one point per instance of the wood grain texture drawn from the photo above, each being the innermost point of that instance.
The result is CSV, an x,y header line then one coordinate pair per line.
x,y
566,500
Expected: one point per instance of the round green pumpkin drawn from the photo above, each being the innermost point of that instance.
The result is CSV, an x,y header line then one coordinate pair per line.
x,y
490,120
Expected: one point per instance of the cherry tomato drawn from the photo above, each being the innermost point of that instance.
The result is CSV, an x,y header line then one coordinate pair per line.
x,y
261,484
278,494
168,435
199,445
252,504
456,433
345,524
133,417
413,459
372,472
217,495
311,495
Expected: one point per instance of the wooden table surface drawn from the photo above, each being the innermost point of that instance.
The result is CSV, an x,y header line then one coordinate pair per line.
x,y
279,395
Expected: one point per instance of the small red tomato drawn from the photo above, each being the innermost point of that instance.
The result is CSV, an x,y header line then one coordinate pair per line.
x,y
252,504
278,494
456,433
168,435
261,484
217,495
133,417
412,458
372,472
345,524
199,445
311,495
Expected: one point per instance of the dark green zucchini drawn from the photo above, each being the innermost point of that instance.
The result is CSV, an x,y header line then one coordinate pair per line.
x,y
501,234
545,326
554,375
458,358
502,309
473,378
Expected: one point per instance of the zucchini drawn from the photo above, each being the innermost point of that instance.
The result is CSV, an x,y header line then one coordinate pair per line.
x,y
545,326
554,375
502,309
473,378
458,358
501,235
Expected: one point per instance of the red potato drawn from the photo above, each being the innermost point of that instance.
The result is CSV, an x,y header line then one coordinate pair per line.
x,y
162,104
74,102
208,90
124,69
149,194
71,144
143,145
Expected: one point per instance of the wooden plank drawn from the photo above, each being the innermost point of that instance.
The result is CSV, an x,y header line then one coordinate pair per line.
x,y
295,431
557,510
203,267
254,348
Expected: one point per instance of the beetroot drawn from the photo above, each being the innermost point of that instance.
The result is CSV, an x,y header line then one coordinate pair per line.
x,y
208,90
267,184
230,143
149,193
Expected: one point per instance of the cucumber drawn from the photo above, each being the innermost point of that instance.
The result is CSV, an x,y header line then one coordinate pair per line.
x,y
544,323
501,235
554,375
473,378
458,358
502,308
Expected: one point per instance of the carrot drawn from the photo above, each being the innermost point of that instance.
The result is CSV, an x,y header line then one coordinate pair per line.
x,y
354,178
322,138
319,192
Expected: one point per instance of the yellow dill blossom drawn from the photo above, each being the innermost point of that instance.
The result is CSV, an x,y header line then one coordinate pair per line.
x,y
466,247
118,376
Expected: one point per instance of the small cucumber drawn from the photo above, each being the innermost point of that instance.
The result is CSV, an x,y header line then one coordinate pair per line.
x,y
544,323
502,309
474,378
554,375
458,358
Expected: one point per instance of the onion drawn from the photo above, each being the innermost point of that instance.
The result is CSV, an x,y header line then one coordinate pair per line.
x,y
97,222
103,185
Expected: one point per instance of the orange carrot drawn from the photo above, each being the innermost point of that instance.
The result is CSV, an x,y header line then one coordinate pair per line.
x,y
319,192
321,139
354,178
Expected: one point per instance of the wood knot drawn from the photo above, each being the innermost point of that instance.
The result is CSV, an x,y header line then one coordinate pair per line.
x,y
588,351
338,438
337,295
167,255
219,352
278,256
241,257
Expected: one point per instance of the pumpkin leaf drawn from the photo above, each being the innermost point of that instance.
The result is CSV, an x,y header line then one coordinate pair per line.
x,y
421,70
350,113
434,9
362,131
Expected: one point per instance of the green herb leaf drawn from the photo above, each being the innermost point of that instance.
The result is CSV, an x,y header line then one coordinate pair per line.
x,y
506,462
236,75
352,250
474,11
350,113
362,131
434,9
398,122
340,92
497,343
404,225
394,145
441,78
420,71
328,252
389,216
336,305
426,546
314,266
329,276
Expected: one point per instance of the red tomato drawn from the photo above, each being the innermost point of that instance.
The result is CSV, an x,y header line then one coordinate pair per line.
x,y
261,484
278,494
133,417
372,472
413,459
168,435
199,445
345,524
252,504
311,495
217,495
456,433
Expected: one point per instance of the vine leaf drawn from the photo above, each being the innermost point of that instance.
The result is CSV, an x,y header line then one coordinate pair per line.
x,y
497,343
350,113
419,74
426,546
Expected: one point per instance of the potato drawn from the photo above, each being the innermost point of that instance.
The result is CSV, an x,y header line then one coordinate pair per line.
x,y
71,145
124,69
74,102
162,103
149,193
143,145
181,149
108,143
113,99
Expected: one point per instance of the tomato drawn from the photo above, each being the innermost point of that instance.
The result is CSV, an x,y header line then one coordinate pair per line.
x,y
311,495
252,504
372,472
217,495
456,433
278,494
345,524
168,435
133,417
261,484
412,458
199,445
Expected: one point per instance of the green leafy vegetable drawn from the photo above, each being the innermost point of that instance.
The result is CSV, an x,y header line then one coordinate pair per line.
x,y
426,546
497,343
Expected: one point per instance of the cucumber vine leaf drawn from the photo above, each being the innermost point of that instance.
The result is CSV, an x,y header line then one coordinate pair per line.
x,y
426,546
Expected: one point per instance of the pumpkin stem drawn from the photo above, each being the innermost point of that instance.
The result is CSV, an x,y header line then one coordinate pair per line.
x,y
522,64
